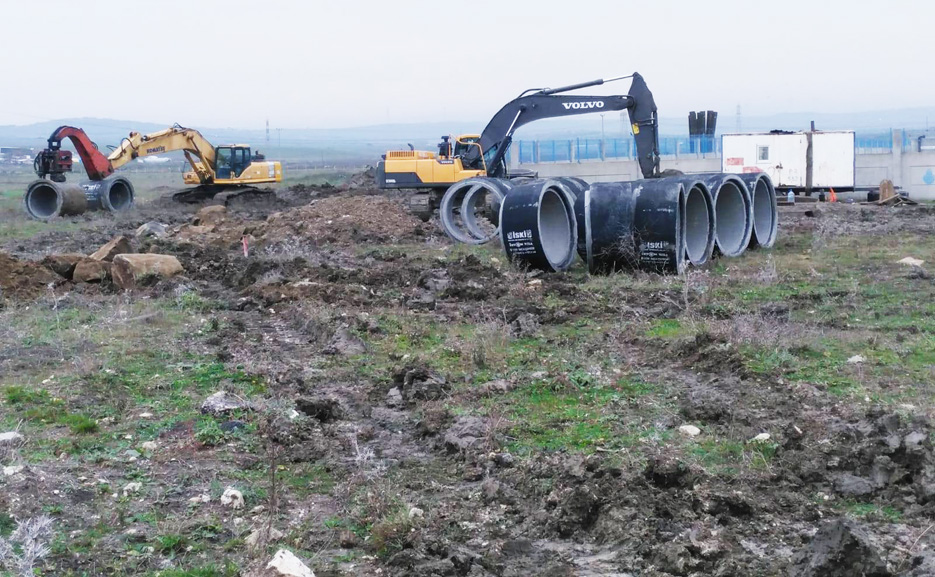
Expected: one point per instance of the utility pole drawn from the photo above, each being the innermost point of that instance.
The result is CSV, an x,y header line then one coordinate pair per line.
x,y
602,136
267,133
279,136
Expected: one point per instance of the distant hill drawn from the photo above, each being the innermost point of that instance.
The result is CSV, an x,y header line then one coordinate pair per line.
x,y
365,141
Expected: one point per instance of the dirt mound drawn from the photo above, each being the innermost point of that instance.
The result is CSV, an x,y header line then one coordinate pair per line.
x,y
362,180
23,279
345,221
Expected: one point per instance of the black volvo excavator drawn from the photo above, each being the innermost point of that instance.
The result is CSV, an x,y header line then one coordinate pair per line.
x,y
474,155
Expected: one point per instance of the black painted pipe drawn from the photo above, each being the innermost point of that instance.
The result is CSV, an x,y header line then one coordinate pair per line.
x,y
538,227
632,225
112,194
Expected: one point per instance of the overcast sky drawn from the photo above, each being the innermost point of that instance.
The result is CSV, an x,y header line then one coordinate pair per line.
x,y
317,64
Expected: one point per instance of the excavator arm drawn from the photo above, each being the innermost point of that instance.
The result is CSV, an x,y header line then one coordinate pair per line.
x,y
550,103
54,161
198,151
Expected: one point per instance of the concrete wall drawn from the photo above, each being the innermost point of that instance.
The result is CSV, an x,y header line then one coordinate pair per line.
x,y
913,171
611,170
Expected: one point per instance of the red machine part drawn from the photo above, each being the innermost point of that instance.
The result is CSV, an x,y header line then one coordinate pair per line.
x,y
55,161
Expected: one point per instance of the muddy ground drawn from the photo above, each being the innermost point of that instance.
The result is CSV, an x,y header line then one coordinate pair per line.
x,y
405,406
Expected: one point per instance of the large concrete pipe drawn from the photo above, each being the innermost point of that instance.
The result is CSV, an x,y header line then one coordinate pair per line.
x,y
460,203
632,225
765,213
698,221
733,218
46,200
483,200
538,228
575,185
113,194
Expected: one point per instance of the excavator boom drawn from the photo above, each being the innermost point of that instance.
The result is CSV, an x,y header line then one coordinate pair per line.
x,y
551,103
189,140
486,156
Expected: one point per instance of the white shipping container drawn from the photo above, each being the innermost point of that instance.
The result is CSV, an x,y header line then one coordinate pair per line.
x,y
785,157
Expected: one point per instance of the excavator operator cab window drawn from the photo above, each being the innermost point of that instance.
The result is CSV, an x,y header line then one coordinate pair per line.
x,y
462,145
231,161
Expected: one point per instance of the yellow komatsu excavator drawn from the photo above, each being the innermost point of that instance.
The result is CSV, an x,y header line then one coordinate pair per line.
x,y
215,169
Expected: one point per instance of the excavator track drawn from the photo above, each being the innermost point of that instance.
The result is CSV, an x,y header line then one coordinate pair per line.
x,y
422,204
226,193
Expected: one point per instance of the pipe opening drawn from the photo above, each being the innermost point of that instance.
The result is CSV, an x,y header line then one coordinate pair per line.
x,y
731,219
762,213
697,226
42,200
555,228
120,195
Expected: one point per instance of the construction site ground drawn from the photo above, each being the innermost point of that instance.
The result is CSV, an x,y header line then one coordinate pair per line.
x,y
406,406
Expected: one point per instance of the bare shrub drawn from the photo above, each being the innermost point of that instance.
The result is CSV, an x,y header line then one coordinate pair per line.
x,y
28,545
767,275
488,348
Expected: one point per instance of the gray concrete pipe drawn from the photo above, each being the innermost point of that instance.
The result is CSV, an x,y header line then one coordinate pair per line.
x,y
733,214
698,220
45,199
765,213
459,204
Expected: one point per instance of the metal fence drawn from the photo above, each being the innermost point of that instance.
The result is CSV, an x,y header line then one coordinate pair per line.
x,y
594,149
881,144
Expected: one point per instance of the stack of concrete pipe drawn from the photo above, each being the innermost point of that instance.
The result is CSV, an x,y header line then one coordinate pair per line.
x,y
46,199
661,225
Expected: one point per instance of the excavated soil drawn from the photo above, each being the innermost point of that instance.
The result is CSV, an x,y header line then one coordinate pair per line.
x,y
322,263
23,280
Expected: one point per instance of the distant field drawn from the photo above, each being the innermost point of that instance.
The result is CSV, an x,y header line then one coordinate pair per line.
x,y
154,182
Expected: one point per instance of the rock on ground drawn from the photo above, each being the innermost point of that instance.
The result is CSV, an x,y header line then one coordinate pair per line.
x,y
345,343
466,433
260,536
232,498
10,438
287,564
63,264
129,268
221,403
210,215
91,270
156,229
117,245
840,549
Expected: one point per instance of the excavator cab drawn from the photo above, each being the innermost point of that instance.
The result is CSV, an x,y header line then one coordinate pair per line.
x,y
464,143
232,160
